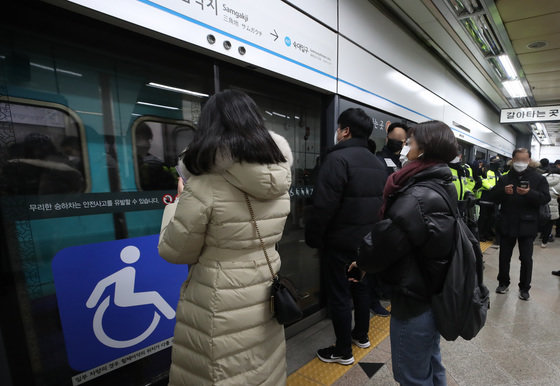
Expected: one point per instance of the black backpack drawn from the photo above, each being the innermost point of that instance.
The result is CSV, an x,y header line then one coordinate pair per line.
x,y
460,308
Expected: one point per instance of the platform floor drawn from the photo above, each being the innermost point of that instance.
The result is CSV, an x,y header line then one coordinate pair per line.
x,y
520,344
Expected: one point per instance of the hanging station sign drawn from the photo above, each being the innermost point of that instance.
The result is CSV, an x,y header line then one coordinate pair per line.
x,y
531,114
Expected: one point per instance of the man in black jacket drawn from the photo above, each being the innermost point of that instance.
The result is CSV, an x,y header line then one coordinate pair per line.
x,y
521,193
347,198
390,154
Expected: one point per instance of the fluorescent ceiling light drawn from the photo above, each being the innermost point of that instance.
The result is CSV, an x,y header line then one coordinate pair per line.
x,y
268,112
89,112
508,66
177,89
278,114
404,81
67,72
514,88
161,106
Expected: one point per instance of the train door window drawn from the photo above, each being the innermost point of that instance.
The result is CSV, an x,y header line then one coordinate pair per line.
x,y
380,120
157,142
294,113
43,149
480,153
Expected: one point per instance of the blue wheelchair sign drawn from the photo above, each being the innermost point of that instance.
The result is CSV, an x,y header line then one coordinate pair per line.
x,y
115,298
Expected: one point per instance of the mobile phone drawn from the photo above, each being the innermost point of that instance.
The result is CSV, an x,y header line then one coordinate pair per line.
x,y
524,184
178,169
354,273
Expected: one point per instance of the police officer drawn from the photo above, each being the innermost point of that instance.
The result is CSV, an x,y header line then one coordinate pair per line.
x,y
389,155
488,208
464,182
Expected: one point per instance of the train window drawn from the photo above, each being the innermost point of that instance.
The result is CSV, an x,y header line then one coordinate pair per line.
x,y
42,150
157,142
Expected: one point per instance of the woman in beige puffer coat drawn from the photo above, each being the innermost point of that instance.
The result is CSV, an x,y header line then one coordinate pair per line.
x,y
225,332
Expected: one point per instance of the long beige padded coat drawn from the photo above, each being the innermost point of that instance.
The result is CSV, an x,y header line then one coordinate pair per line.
x,y
225,332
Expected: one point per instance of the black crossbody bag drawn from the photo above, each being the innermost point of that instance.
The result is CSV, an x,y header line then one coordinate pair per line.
x,y
284,298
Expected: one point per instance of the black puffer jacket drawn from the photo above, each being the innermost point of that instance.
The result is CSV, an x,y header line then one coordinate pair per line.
x,y
346,198
414,242
519,214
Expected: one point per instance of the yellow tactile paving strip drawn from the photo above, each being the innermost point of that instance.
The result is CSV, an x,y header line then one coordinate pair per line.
x,y
319,373
485,245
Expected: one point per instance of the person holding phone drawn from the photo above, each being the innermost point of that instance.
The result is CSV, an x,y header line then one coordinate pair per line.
x,y
225,332
521,192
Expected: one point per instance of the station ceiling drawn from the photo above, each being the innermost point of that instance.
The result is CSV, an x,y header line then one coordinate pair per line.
x,y
480,31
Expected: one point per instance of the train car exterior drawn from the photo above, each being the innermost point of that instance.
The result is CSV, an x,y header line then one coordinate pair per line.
x,y
92,118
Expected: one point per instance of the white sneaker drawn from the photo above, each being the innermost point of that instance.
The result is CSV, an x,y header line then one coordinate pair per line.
x,y
543,245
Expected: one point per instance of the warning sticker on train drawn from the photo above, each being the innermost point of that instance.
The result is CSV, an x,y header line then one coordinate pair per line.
x,y
115,298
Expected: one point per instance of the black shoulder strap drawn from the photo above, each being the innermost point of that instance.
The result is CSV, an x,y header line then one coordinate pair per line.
x,y
443,193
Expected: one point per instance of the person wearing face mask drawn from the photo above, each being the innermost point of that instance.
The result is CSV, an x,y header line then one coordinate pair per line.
x,y
389,155
412,251
346,200
520,194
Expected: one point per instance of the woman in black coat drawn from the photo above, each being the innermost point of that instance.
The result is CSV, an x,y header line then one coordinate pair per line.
x,y
412,247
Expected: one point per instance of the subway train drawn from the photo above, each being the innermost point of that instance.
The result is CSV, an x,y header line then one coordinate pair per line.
x,y
92,119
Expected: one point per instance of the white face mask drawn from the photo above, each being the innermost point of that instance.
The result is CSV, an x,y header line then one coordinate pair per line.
x,y
335,137
455,160
402,157
520,166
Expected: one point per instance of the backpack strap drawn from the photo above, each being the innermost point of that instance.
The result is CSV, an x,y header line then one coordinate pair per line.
x,y
453,209
474,242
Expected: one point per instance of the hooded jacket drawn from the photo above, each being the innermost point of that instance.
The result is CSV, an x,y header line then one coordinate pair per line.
x,y
413,243
225,332
519,214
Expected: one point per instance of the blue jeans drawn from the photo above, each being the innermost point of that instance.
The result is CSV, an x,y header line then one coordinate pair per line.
x,y
415,351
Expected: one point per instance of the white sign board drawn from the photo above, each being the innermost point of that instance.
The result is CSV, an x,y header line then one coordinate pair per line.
x,y
272,34
530,114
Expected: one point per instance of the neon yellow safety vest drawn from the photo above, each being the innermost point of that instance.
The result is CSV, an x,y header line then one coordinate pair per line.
x,y
462,184
490,181
470,179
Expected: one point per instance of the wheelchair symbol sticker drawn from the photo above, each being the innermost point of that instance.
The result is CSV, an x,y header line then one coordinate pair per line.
x,y
125,297
115,298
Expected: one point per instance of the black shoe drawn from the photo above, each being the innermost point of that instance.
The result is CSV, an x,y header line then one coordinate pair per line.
x,y
502,289
556,273
379,310
361,343
330,356
524,295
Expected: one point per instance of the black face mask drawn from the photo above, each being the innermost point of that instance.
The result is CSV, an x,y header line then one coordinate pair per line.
x,y
394,145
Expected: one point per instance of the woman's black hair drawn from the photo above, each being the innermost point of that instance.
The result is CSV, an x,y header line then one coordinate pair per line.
x,y
436,140
230,125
